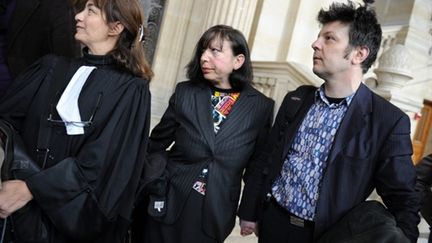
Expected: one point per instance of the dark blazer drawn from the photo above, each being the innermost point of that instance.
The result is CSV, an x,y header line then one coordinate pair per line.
x,y
369,221
423,185
188,123
371,149
37,28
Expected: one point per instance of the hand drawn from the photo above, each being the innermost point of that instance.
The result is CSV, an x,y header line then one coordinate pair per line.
x,y
248,227
13,196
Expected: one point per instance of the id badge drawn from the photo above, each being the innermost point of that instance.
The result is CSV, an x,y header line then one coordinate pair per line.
x,y
200,187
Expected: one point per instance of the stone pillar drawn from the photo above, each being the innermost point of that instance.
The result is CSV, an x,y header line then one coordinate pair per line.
x,y
418,38
394,69
419,41
236,13
274,30
168,53
393,73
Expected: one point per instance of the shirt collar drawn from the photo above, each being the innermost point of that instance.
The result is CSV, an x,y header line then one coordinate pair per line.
x,y
320,96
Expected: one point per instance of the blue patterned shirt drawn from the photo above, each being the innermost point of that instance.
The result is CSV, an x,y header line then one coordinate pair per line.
x,y
297,186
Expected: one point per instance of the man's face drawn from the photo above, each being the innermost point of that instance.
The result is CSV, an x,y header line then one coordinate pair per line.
x,y
332,55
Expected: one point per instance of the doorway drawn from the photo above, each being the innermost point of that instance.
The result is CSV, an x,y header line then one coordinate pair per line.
x,y
422,141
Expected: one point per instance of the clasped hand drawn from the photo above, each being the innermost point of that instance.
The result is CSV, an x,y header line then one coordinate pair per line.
x,y
248,227
13,196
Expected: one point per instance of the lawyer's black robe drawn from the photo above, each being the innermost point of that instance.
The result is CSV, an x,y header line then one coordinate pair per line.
x,y
103,165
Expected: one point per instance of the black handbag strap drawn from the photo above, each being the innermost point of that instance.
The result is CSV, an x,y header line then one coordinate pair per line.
x,y
61,68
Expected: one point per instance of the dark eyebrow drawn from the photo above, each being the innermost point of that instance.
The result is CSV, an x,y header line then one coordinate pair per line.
x,y
326,33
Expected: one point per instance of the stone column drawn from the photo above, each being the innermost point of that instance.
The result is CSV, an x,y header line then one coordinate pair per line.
x,y
168,53
419,41
418,37
393,74
236,13
394,69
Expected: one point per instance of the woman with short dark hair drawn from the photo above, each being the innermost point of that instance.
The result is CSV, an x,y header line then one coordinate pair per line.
x,y
217,121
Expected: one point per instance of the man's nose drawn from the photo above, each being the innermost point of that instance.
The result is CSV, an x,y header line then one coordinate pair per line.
x,y
315,45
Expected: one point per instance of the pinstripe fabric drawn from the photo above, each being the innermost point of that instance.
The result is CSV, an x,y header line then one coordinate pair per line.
x,y
188,123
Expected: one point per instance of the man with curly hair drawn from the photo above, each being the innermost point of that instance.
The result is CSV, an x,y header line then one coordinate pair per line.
x,y
331,146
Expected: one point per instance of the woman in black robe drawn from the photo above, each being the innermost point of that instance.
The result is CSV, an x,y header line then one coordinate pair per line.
x,y
85,123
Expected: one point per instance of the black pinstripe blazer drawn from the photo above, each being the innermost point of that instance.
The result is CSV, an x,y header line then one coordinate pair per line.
x,y
188,123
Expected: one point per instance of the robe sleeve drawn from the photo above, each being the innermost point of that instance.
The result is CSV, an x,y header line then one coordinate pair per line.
x,y
85,194
18,97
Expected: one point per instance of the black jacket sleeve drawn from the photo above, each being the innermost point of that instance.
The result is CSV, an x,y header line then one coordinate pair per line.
x,y
423,186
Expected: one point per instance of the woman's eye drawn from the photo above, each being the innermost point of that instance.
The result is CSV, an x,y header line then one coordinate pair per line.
x,y
329,38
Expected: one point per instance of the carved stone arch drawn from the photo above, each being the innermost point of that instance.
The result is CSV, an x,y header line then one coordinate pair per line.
x,y
153,13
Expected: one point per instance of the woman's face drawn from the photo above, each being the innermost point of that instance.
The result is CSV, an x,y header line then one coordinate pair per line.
x,y
218,61
92,30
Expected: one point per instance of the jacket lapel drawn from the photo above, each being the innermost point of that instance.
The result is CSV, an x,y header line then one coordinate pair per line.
x,y
242,105
353,122
204,116
295,112
22,13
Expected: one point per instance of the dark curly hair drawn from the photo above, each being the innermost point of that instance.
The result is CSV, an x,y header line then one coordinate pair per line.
x,y
238,78
364,29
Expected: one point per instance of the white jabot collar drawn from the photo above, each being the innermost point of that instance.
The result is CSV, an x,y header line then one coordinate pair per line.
x,y
67,107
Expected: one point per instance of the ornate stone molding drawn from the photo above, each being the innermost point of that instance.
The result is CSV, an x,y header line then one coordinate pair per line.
x,y
394,68
275,79
153,12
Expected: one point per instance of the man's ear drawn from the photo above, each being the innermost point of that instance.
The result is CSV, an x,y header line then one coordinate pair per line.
x,y
239,60
361,53
116,28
